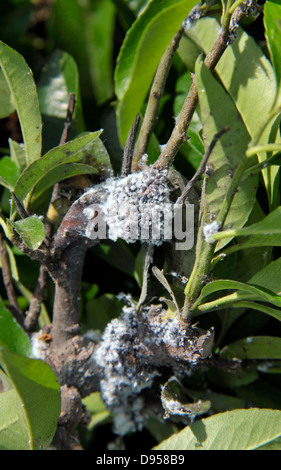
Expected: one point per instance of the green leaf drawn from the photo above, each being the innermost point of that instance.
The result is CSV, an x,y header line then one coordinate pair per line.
x,y
232,430
24,97
267,231
14,432
99,32
227,154
85,30
87,150
269,277
140,54
97,409
254,347
248,291
18,155
12,336
59,77
6,105
264,286
33,405
9,173
244,63
272,312
272,23
31,230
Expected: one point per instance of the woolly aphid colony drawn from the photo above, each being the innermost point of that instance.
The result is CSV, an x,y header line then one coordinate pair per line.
x,y
133,349
136,207
135,346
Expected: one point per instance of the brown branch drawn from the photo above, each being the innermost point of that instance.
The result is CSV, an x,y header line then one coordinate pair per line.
x,y
68,120
155,96
21,210
178,135
66,274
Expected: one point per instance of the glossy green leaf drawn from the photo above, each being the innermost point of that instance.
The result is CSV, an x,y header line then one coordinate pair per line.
x,y
24,97
272,22
9,173
263,286
232,430
227,154
31,230
249,78
254,347
87,150
242,62
268,228
99,31
34,404
12,336
250,291
272,312
140,54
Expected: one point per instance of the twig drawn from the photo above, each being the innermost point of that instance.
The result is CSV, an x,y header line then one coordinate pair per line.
x,y
21,210
155,96
201,168
68,120
32,314
129,148
178,135
8,282
148,251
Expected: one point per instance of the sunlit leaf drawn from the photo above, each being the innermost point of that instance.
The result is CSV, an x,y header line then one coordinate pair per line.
x,y
32,407
24,97
232,430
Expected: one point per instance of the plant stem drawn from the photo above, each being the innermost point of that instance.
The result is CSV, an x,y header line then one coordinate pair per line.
x,y
205,249
155,96
178,135
66,273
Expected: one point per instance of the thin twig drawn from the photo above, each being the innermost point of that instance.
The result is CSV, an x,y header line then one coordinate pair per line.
x,y
32,314
178,135
21,210
201,168
8,282
129,148
155,96
68,120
